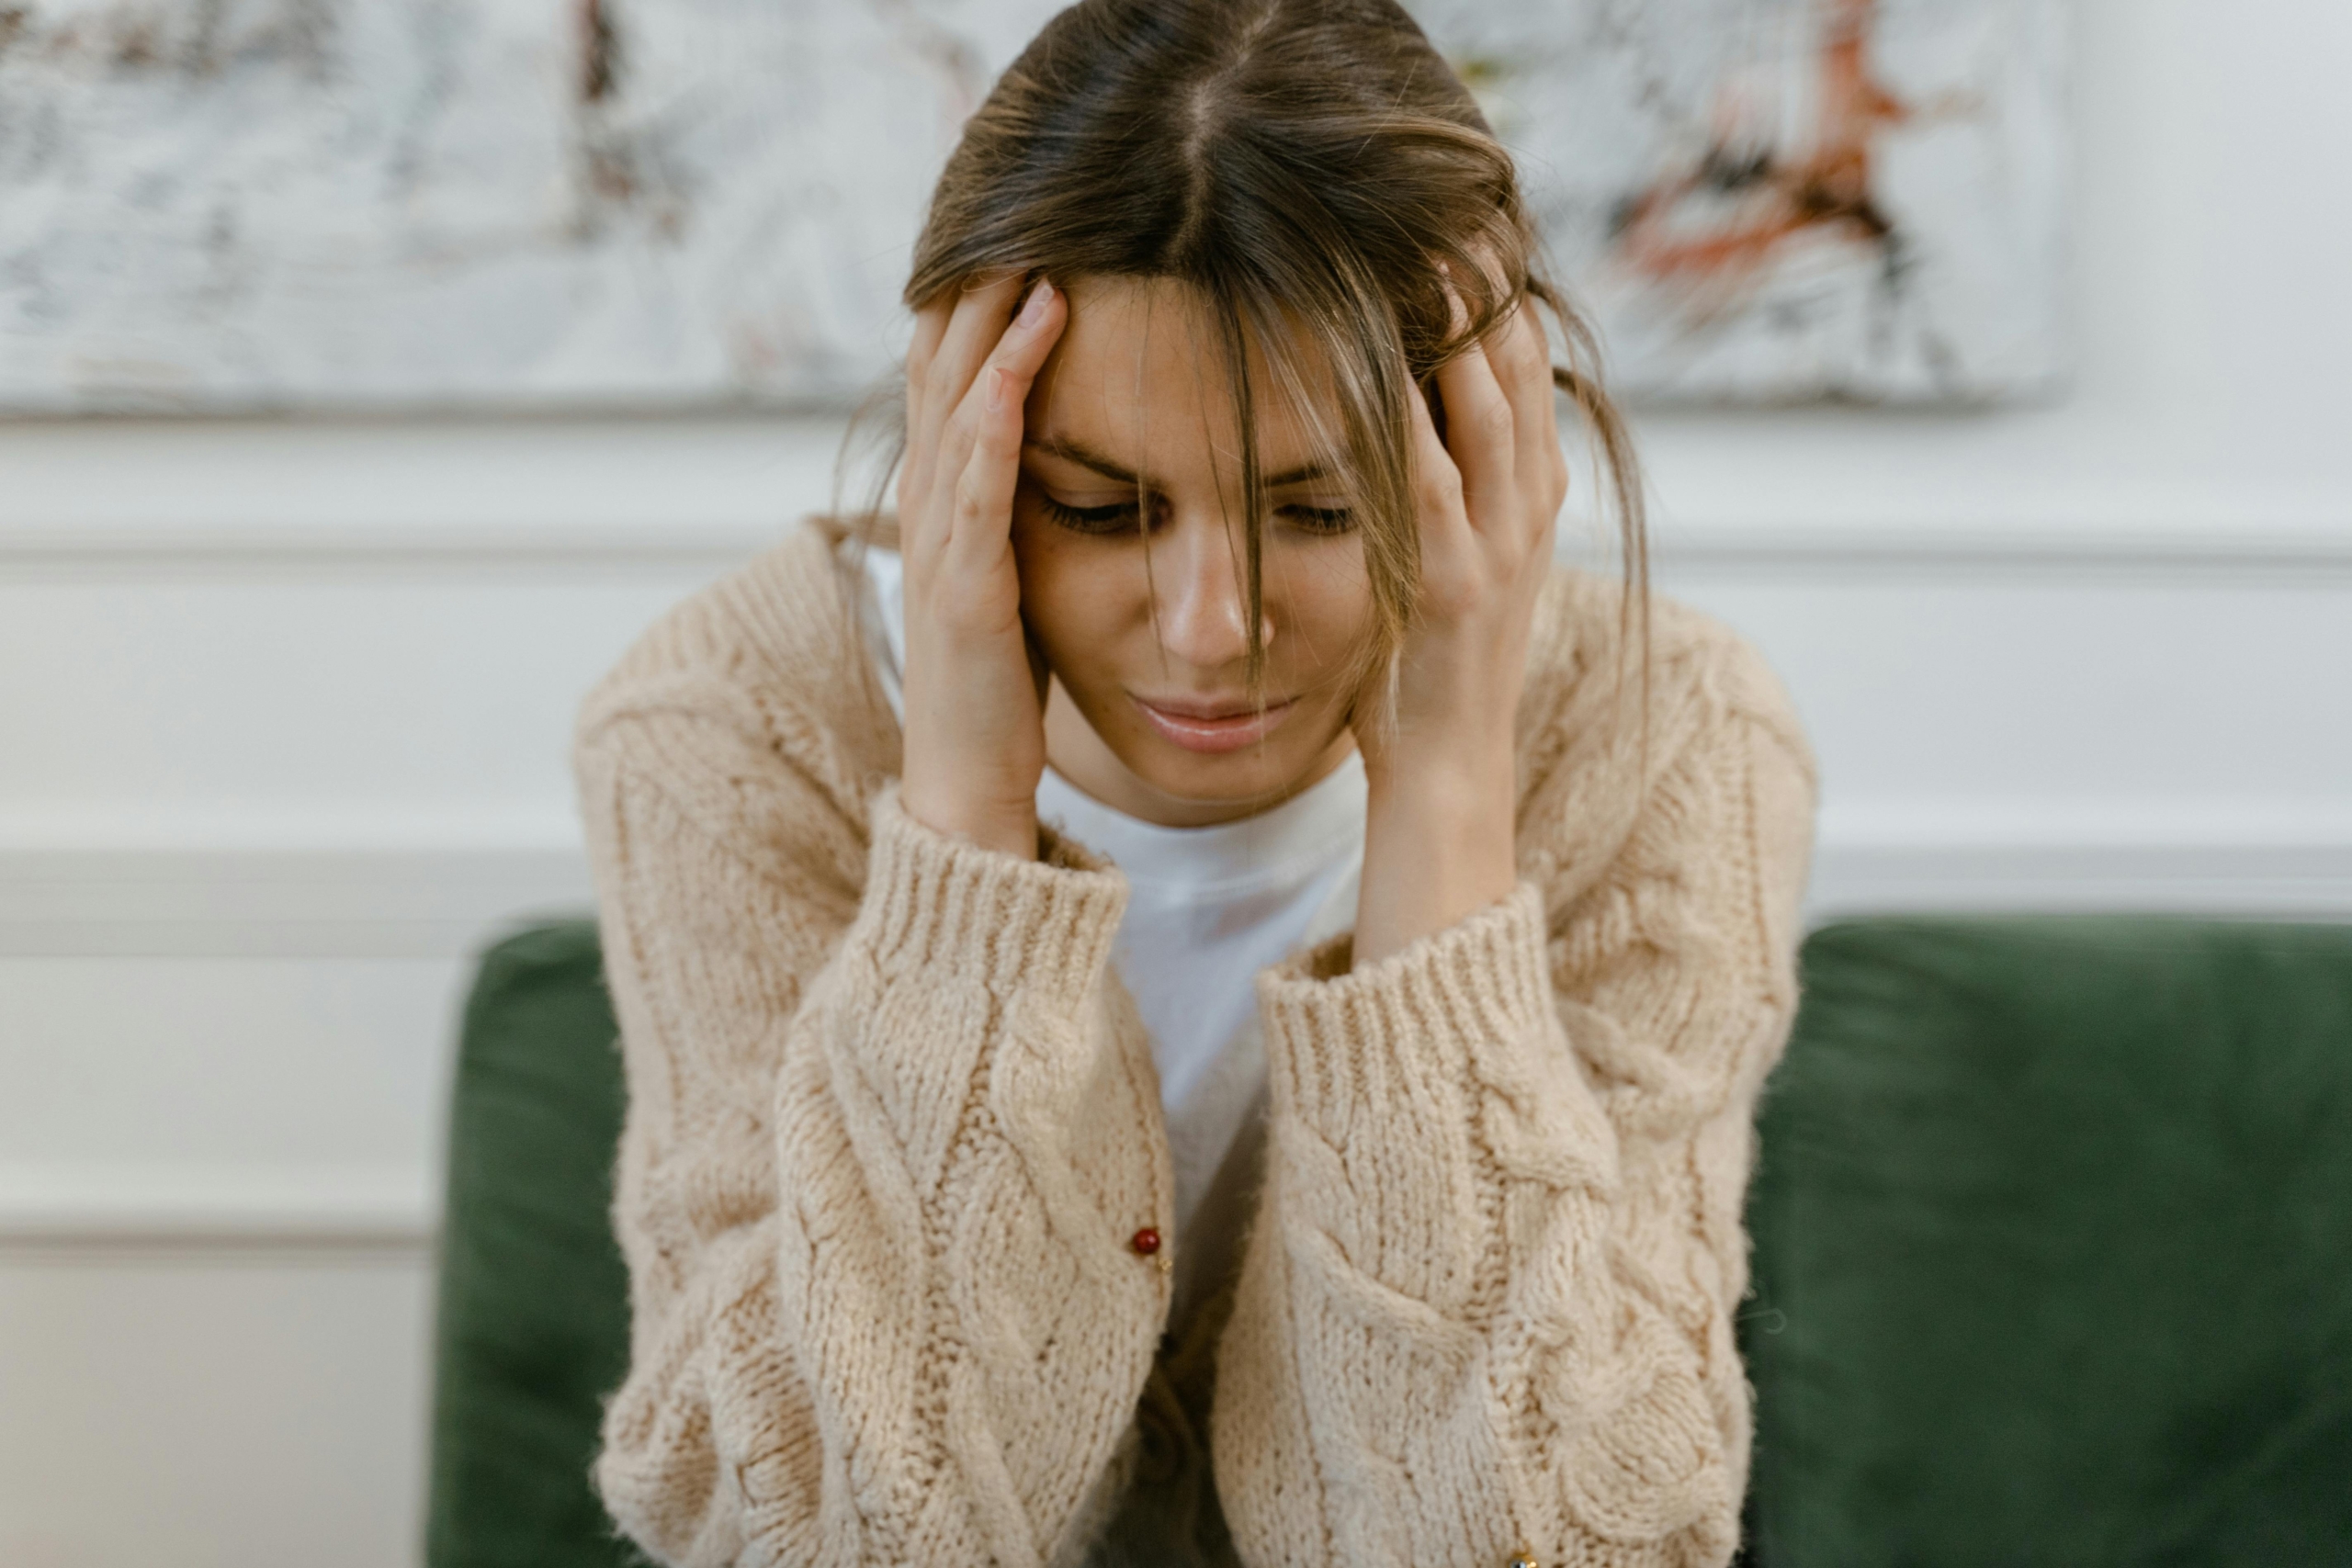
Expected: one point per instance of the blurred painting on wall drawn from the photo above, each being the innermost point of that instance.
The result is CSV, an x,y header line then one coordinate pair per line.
x,y
1771,200
214,206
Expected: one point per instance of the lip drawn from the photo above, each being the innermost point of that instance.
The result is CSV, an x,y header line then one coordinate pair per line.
x,y
1211,726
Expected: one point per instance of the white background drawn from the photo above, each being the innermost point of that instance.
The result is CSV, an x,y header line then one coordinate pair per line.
x,y
283,711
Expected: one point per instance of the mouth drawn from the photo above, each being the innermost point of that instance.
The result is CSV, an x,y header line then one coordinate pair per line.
x,y
1211,725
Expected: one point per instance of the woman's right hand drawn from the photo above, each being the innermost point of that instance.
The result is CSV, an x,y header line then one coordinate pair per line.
x,y
974,685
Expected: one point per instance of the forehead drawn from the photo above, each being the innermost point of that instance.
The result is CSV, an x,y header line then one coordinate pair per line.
x,y
1140,375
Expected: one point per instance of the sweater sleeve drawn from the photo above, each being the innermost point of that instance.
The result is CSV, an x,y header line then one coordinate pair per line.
x,y
1491,1309
875,1182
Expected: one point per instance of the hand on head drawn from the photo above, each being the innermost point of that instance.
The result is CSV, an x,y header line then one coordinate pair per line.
x,y
974,684
1488,491
1440,840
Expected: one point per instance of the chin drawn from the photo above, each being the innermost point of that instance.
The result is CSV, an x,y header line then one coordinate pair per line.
x,y
1228,781
1239,777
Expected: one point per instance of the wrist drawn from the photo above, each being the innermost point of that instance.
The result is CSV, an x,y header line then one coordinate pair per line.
x,y
1008,829
1452,839
1443,781
1440,844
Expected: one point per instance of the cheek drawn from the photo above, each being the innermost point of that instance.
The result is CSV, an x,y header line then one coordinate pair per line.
x,y
1069,594
1326,601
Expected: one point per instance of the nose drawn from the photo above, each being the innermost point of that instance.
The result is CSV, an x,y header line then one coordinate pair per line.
x,y
1200,575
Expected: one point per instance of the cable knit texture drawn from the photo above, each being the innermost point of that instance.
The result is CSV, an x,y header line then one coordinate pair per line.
x,y
893,1123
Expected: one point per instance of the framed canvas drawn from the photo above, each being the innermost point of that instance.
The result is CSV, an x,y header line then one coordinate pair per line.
x,y
257,204
1773,200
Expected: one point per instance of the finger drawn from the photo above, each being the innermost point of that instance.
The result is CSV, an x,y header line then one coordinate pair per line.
x,y
930,326
1523,362
1480,431
1022,347
1028,337
973,328
992,464
972,320
914,477
1437,482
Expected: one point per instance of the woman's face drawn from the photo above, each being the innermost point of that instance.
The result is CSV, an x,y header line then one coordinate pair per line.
x,y
1152,712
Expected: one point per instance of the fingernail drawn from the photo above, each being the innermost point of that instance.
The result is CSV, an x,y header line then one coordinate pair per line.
x,y
1033,311
996,389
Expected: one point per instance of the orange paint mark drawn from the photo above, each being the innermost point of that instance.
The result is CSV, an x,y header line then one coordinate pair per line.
x,y
1773,196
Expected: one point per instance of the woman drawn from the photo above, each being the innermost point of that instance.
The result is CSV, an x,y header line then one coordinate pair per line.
x,y
1192,1011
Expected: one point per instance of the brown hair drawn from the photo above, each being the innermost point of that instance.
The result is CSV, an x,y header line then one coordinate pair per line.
x,y
1319,174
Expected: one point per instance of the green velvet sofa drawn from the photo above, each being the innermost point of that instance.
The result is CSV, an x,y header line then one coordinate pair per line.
x,y
2053,1221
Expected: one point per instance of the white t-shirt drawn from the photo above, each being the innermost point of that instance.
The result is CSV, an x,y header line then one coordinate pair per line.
x,y
1207,908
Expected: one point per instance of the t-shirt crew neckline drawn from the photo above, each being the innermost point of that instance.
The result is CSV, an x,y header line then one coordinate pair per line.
x,y
1268,848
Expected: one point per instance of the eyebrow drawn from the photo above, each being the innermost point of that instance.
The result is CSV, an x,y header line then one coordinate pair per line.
x,y
1085,456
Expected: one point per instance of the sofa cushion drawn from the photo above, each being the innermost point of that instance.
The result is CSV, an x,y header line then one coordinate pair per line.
x,y
2053,1221
533,1328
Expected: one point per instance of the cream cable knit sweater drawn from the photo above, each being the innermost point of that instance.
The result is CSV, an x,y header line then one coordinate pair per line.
x,y
892,1123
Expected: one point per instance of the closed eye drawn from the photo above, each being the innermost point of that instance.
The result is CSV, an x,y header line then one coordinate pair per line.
x,y
1319,519
1115,518
1119,517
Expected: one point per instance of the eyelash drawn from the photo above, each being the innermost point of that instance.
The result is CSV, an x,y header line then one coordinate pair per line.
x,y
1120,517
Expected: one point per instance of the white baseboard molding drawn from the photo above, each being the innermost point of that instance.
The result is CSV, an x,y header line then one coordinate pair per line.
x,y
2305,882
2207,557
2289,555
254,901
140,1207
343,550
2255,861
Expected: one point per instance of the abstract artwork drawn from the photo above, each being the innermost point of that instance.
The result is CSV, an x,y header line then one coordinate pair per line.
x,y
239,204
250,205
1766,200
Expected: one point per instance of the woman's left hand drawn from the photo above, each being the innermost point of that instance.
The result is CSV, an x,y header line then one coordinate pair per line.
x,y
1439,841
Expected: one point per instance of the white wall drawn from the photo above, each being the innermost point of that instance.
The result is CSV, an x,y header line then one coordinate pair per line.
x,y
283,710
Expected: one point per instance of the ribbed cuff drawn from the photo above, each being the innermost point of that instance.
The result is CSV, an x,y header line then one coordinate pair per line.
x,y
947,907
1462,1002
